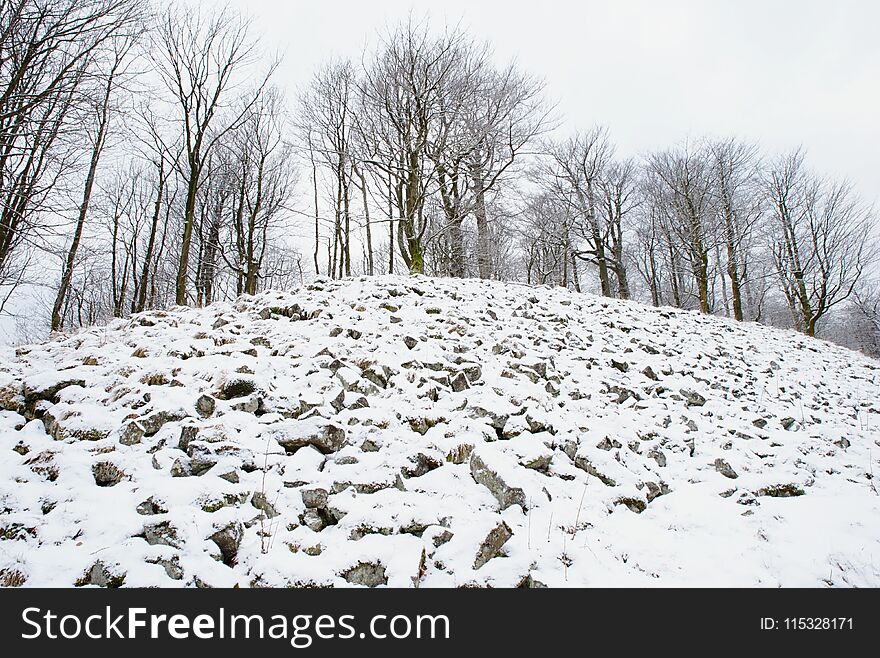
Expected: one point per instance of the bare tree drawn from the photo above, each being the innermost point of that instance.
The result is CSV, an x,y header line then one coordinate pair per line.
x,y
822,239
201,59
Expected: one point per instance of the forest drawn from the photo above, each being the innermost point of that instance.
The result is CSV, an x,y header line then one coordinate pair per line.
x,y
150,158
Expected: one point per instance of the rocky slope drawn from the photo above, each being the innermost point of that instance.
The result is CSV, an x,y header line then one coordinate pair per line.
x,y
421,432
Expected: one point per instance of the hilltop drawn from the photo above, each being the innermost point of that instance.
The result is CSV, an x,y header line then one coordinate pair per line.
x,y
432,432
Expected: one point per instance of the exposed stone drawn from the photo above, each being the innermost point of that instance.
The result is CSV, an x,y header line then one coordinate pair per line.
x,y
107,474
366,574
692,398
650,374
622,366
504,494
162,534
780,491
151,507
261,502
205,405
330,439
725,469
101,576
492,544
460,383
315,498
49,392
228,539
237,388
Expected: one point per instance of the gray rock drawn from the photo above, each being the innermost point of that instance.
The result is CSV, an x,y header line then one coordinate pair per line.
x,y
460,383
725,469
657,455
228,539
101,576
161,534
492,544
650,374
504,494
107,474
180,469
587,466
131,434
155,421
261,502
328,440
367,574
314,520
237,388
151,507
205,405
315,498
692,398
49,391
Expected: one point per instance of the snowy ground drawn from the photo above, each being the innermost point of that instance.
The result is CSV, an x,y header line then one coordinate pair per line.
x,y
425,432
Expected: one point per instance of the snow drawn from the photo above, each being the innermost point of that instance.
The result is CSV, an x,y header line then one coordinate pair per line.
x,y
620,469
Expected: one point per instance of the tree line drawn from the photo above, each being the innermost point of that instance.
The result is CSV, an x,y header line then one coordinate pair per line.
x,y
149,158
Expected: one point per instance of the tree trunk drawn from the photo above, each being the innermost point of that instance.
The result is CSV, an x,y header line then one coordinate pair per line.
x,y
188,222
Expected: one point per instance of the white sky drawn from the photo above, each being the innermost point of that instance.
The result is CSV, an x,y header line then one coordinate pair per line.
x,y
781,73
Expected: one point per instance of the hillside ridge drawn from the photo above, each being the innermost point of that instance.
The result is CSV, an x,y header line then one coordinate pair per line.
x,y
409,431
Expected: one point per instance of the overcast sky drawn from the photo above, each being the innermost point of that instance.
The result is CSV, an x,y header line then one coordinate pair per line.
x,y
781,73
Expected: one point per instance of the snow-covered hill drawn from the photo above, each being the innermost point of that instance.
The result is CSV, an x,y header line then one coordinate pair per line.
x,y
425,432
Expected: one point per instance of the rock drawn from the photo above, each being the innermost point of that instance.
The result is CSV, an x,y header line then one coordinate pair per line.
x,y
460,383
249,405
460,454
492,544
366,574
49,392
172,567
843,443
107,474
760,423
504,494
161,534
650,374
529,582
787,423
657,455
622,366
151,507
441,538
725,469
231,476
180,469
587,466
692,398
780,491
237,388
421,465
410,342
131,434
313,520
636,505
369,446
655,490
314,498
261,502
205,405
228,539
328,440
101,576
155,421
